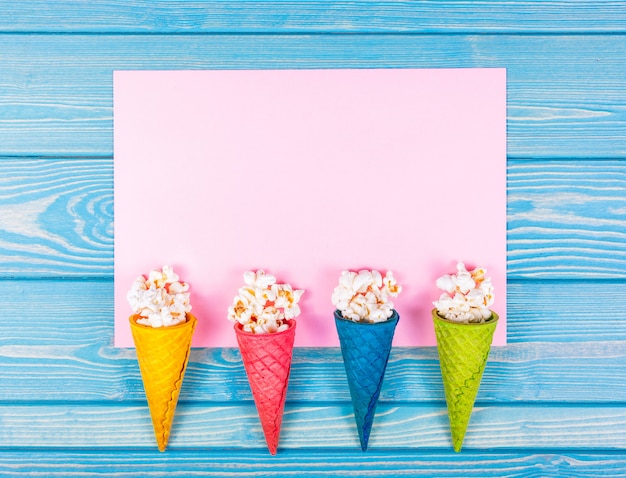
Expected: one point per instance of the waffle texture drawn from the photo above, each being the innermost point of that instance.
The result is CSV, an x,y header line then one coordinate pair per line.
x,y
365,348
163,354
463,351
267,360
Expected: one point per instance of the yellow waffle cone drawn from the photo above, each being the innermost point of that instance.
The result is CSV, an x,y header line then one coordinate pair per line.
x,y
463,352
162,354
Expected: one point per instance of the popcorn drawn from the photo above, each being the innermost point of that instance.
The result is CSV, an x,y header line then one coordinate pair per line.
x,y
467,297
364,296
161,300
263,306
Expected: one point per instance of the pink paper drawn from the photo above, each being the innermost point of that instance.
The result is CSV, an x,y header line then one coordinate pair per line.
x,y
305,173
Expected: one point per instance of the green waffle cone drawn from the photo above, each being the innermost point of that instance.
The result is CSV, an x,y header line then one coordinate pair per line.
x,y
463,352
365,348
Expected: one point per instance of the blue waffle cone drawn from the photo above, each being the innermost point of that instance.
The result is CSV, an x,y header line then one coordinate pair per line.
x,y
365,348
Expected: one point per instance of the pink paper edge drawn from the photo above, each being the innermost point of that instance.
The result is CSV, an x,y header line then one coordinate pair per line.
x,y
499,337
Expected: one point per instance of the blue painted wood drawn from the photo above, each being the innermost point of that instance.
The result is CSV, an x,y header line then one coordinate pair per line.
x,y
552,403
564,221
318,463
102,16
566,94
557,355
57,216
310,427
555,374
576,216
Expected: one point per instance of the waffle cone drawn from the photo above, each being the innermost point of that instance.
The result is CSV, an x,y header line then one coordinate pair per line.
x,y
162,354
365,349
267,360
463,351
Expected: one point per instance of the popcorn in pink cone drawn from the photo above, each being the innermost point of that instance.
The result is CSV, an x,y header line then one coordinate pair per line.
x,y
264,314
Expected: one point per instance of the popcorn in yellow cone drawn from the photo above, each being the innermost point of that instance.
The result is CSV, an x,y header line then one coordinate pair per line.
x,y
162,328
464,327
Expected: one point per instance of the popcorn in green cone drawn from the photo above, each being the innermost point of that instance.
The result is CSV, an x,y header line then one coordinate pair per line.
x,y
464,327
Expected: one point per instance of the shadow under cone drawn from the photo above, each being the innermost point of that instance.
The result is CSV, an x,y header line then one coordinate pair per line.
x,y
463,351
267,360
365,348
163,354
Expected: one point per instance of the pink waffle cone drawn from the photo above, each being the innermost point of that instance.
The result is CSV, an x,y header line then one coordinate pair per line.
x,y
163,354
267,360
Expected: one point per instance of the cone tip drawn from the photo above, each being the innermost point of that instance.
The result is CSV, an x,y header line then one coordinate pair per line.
x,y
272,445
457,440
364,432
272,436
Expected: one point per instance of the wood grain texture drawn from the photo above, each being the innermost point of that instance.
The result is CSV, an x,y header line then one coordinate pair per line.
x,y
103,16
558,354
566,94
565,220
570,218
57,216
233,427
323,463
574,373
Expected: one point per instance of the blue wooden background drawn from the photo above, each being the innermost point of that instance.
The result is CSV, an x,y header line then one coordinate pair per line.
x,y
552,403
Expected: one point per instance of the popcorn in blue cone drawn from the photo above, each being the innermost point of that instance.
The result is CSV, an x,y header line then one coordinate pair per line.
x,y
365,348
366,321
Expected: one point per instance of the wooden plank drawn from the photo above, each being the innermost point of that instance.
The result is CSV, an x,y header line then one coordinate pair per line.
x,y
68,326
161,16
565,219
295,464
565,311
311,427
591,372
57,217
318,463
566,94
